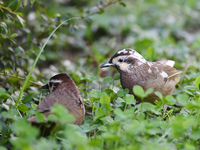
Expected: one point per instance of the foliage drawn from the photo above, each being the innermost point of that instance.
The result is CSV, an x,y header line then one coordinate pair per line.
x,y
156,29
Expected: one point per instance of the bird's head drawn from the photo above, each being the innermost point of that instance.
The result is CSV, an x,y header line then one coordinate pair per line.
x,y
124,60
55,81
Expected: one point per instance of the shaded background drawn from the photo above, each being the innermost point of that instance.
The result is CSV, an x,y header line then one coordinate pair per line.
x,y
156,29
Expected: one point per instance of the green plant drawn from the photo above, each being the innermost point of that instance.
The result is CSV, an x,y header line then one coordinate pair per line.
x,y
37,41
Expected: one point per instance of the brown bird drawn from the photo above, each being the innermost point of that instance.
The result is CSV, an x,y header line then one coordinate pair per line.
x,y
63,91
135,70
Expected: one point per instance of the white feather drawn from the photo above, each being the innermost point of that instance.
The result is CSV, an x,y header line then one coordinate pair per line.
x,y
170,63
164,74
149,70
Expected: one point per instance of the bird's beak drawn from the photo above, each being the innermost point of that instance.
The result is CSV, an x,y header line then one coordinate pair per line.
x,y
107,64
46,86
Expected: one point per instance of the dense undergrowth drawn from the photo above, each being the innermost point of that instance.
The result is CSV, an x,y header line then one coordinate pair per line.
x,y
156,29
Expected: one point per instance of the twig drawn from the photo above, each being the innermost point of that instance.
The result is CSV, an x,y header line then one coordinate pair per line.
x,y
108,3
14,76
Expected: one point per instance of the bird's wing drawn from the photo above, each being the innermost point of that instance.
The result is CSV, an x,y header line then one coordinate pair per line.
x,y
166,62
48,102
172,72
165,67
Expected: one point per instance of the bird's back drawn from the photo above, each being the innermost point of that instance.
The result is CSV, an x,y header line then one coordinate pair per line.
x,y
68,96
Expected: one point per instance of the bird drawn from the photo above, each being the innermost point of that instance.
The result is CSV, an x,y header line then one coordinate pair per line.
x,y
62,91
135,70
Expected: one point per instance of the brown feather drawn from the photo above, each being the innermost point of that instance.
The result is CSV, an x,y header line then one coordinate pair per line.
x,y
66,94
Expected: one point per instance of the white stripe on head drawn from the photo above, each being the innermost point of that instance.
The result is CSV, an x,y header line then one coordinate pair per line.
x,y
56,81
122,51
126,51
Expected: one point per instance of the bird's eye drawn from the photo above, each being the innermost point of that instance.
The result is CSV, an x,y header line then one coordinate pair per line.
x,y
120,60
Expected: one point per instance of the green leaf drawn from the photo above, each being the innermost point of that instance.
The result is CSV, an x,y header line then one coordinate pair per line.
x,y
29,97
182,99
90,78
126,91
179,125
4,94
120,100
103,128
44,143
22,129
95,93
86,127
129,99
105,99
120,93
159,95
123,4
138,91
34,106
62,114
109,119
40,117
4,26
190,87
147,92
14,35
106,109
24,3
117,77
108,79
105,102
140,116
113,96
52,118
32,2
11,114
23,107
193,105
108,91
195,135
103,93
145,106
14,5
98,114
3,36
73,137
22,21
197,82
169,100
